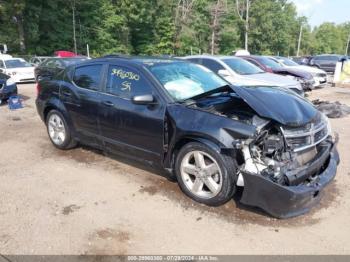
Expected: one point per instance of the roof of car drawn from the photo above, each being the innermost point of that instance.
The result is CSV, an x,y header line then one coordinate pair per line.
x,y
140,60
218,57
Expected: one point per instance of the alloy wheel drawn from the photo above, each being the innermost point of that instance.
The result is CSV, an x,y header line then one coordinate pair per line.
x,y
56,128
201,174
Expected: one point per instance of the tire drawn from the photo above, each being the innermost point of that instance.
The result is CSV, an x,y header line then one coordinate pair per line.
x,y
196,175
59,131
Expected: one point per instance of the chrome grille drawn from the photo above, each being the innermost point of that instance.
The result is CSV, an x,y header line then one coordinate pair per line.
x,y
301,138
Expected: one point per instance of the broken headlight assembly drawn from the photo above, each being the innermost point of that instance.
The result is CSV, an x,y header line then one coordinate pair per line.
x,y
278,152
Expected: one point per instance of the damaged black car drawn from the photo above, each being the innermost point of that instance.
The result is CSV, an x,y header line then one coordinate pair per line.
x,y
212,137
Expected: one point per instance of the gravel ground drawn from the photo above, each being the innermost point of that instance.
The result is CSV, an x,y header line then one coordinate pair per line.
x,y
83,202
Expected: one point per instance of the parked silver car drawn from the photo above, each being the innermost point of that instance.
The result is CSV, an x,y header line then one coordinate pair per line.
x,y
240,72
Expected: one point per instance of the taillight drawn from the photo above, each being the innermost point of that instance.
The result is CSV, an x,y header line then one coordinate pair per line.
x,y
38,89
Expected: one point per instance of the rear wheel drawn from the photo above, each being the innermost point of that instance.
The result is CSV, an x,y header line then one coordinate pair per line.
x,y
58,130
205,175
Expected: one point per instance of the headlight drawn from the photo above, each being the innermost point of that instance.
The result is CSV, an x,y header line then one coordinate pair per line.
x,y
10,81
292,77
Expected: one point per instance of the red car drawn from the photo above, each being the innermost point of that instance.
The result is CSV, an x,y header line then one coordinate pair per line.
x,y
62,53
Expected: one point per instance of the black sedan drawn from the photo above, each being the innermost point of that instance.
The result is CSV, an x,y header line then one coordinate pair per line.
x,y
183,118
8,87
54,65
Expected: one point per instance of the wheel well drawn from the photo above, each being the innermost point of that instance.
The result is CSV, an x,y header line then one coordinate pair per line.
x,y
178,147
184,141
47,110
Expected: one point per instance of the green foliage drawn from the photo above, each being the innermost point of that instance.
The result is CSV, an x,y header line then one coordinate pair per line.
x,y
160,27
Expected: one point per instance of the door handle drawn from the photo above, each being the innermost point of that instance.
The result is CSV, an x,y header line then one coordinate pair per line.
x,y
107,103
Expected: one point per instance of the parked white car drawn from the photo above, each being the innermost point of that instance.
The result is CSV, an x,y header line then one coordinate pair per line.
x,y
238,71
17,68
319,75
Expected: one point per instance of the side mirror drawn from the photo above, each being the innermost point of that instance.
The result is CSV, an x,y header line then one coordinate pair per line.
x,y
144,100
224,73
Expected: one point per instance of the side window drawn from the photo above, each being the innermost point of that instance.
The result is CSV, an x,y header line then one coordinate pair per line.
x,y
334,58
88,77
126,83
212,65
254,62
2,64
195,60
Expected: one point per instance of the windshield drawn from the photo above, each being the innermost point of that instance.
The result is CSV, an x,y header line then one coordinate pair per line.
x,y
269,63
13,63
186,80
288,62
242,67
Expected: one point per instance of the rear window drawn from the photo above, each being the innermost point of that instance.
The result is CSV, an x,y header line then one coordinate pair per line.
x,y
88,77
15,63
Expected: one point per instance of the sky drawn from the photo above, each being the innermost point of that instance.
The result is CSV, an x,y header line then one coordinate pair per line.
x,y
319,11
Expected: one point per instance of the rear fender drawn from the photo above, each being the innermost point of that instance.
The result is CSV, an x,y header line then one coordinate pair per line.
x,y
56,104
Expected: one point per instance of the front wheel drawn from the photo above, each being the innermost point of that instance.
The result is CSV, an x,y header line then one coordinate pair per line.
x,y
205,175
59,131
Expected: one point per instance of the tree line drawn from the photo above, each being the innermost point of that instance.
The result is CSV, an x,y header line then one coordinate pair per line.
x,y
164,27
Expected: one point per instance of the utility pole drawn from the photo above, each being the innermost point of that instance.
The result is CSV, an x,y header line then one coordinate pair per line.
x,y
299,41
246,26
88,50
74,34
347,45
241,8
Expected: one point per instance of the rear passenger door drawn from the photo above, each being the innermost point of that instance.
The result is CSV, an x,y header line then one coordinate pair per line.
x,y
81,98
127,128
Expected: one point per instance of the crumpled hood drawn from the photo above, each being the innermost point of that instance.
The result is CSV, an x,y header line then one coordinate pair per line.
x,y
278,104
294,71
312,70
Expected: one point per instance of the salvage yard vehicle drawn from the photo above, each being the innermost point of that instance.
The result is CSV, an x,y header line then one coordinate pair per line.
x,y
326,62
8,87
238,71
304,78
54,65
17,68
211,136
319,75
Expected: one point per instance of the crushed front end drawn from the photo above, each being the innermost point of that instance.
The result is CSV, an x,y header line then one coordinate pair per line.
x,y
285,168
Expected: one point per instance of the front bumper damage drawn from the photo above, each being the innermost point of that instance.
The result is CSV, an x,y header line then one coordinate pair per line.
x,y
289,201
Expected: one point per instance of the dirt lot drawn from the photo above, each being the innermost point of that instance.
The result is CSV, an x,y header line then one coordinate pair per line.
x,y
82,202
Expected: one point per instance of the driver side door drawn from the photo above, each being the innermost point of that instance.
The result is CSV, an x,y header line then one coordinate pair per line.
x,y
127,128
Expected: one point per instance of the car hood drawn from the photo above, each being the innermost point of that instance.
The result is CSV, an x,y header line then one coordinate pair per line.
x,y
278,104
295,71
264,79
309,69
